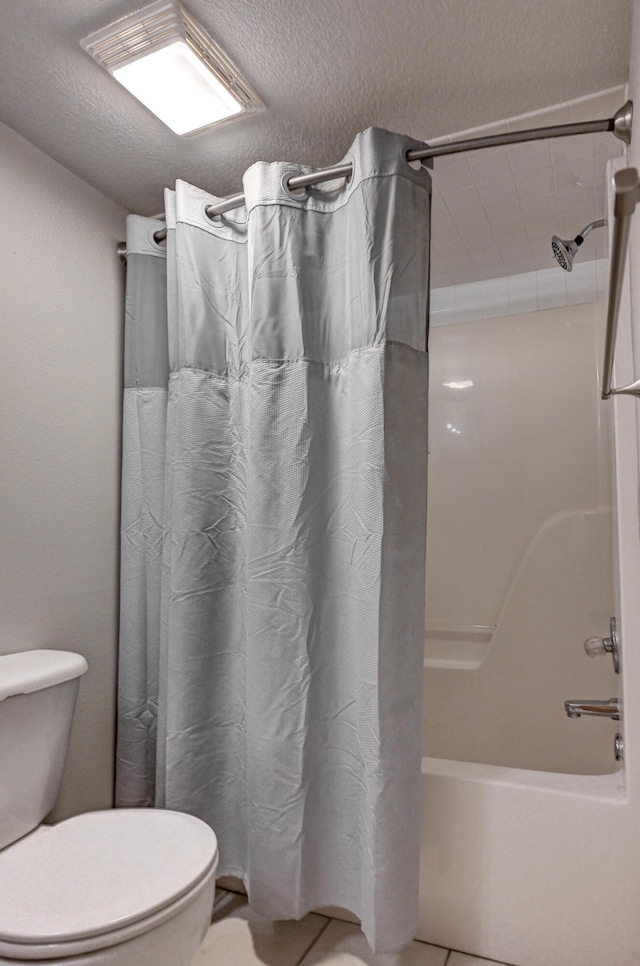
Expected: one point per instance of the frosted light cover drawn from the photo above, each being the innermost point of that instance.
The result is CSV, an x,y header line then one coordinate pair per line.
x,y
178,88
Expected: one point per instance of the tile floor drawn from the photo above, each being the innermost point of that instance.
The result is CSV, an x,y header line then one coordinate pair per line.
x,y
239,937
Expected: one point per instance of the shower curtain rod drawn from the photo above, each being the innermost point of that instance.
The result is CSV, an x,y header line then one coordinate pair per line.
x,y
619,125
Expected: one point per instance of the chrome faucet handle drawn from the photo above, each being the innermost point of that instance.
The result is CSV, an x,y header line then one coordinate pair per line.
x,y
595,646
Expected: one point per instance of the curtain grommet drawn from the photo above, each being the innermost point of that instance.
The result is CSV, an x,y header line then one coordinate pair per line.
x,y
414,166
157,246
296,194
214,221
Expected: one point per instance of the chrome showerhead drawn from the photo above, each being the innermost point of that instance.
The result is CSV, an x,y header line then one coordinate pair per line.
x,y
564,251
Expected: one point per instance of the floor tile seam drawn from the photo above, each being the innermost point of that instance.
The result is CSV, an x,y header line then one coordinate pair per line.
x,y
314,941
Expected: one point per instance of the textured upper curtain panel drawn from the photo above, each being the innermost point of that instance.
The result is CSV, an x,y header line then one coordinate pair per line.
x,y
273,531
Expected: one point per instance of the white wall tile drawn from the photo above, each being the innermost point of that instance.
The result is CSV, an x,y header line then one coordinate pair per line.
x,y
532,182
523,293
443,299
578,172
566,149
505,214
581,296
442,226
551,300
465,271
517,266
531,154
462,200
518,292
489,258
545,262
552,279
500,206
543,206
601,104
489,164
468,302
440,277
602,277
576,201
540,240
554,114
495,297
437,319
599,204
470,220
479,240
517,249
552,287
452,173
498,192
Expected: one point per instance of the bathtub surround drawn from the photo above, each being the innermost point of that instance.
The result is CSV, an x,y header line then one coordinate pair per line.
x,y
273,531
61,295
504,849
519,537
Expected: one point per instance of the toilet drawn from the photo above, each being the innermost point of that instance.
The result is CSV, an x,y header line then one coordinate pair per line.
x,y
122,887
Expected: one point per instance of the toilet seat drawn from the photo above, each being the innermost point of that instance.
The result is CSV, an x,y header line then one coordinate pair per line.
x,y
100,879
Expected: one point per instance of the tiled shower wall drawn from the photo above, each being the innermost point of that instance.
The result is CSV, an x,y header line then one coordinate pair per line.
x,y
494,210
549,288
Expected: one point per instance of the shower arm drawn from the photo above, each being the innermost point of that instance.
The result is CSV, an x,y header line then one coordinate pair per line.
x,y
601,223
626,196
619,125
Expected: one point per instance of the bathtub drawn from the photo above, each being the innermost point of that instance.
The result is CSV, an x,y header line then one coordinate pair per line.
x,y
529,868
530,854
523,865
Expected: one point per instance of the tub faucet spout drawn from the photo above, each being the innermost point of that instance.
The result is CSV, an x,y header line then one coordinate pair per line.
x,y
602,709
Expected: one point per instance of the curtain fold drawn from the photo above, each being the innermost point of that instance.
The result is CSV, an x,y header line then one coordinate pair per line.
x,y
273,531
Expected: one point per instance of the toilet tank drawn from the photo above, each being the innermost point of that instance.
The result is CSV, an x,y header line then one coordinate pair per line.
x,y
38,691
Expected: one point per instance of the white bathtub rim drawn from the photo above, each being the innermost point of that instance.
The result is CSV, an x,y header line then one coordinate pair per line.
x,y
609,787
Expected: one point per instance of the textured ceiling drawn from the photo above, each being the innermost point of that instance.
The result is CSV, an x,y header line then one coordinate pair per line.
x,y
326,70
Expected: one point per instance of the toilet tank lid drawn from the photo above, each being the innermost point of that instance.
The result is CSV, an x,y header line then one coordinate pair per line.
x,y
30,671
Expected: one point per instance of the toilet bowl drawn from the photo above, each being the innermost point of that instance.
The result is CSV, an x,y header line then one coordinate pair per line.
x,y
123,887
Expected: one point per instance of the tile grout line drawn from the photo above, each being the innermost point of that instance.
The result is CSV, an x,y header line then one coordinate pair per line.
x,y
313,942
448,957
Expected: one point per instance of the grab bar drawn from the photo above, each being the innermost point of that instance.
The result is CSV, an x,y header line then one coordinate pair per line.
x,y
626,197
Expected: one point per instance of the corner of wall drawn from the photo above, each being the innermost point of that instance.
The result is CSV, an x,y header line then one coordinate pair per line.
x,y
61,288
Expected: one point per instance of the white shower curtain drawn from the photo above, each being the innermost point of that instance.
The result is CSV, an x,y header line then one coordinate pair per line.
x,y
273,531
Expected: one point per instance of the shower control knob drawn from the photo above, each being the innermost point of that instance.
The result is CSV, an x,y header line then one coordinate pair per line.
x,y
595,646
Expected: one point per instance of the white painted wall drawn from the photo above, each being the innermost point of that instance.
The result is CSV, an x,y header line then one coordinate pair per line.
x,y
61,296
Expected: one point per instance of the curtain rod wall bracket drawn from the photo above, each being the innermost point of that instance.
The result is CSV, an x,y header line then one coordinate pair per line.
x,y
623,122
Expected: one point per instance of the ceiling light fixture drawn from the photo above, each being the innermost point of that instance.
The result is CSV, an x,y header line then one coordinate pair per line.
x,y
170,63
